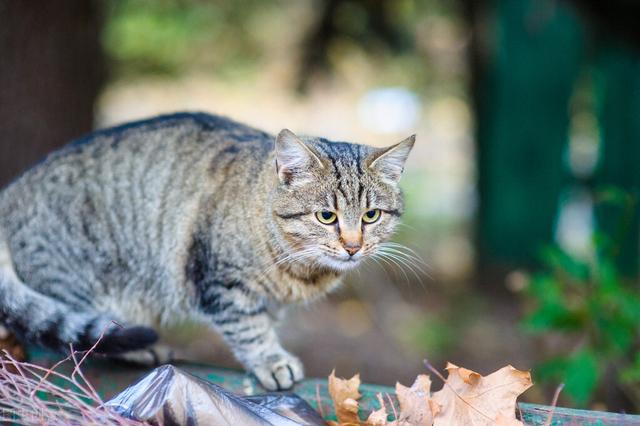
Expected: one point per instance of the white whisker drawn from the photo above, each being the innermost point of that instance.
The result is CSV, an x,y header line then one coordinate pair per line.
x,y
414,254
405,257
394,263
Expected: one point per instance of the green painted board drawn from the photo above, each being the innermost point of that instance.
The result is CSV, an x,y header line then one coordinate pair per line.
x,y
109,378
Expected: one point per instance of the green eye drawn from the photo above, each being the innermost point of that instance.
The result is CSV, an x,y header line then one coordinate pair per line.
x,y
371,216
326,217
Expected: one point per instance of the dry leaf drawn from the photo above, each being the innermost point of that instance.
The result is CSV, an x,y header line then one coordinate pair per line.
x,y
345,395
503,421
415,402
471,399
466,399
379,417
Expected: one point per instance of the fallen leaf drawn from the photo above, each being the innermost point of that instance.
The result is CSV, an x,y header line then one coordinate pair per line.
x,y
345,395
416,406
503,421
379,417
469,399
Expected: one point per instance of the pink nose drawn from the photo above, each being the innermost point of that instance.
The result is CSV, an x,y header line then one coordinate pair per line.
x,y
352,248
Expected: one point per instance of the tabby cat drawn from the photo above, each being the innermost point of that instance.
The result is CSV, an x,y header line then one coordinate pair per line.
x,y
189,217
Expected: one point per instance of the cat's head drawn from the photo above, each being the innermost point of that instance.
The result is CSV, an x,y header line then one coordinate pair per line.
x,y
335,202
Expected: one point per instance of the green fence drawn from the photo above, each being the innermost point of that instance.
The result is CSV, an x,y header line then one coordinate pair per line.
x,y
538,52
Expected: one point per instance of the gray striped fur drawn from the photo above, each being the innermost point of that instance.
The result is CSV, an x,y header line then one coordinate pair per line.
x,y
187,216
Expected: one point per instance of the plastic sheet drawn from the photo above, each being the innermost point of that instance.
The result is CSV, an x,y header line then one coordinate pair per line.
x,y
169,396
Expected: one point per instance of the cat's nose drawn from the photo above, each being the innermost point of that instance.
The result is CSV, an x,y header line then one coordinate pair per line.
x,y
352,248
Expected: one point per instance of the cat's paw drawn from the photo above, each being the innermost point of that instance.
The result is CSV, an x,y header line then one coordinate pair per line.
x,y
279,371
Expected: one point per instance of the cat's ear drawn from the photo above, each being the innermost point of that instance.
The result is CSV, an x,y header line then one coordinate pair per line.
x,y
294,159
389,162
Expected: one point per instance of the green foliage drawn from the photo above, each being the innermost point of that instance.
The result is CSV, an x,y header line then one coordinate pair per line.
x,y
240,39
596,310
168,36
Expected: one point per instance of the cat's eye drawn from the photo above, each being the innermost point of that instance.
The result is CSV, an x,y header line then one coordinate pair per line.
x,y
328,218
371,216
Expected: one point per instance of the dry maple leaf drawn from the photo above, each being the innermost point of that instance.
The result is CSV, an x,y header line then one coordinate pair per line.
x,y
345,395
502,421
469,399
377,418
416,406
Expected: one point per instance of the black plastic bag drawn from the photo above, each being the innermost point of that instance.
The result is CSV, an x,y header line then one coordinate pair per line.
x,y
169,396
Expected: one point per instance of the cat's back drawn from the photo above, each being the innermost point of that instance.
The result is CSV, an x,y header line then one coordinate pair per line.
x,y
116,156
125,176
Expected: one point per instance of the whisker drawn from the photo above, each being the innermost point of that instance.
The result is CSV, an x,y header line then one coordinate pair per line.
x,y
290,258
393,262
417,257
401,253
422,266
400,263
404,256
413,228
380,265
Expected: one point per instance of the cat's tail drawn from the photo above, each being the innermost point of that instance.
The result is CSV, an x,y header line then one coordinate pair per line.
x,y
39,319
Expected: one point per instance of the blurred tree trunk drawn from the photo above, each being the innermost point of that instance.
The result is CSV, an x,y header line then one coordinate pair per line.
x,y
51,71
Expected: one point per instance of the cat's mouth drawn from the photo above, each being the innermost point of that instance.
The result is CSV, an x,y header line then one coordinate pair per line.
x,y
341,263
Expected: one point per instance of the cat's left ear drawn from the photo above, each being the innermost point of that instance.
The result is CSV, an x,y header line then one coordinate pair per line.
x,y
295,161
389,162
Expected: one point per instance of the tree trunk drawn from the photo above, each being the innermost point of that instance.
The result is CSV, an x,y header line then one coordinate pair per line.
x,y
51,71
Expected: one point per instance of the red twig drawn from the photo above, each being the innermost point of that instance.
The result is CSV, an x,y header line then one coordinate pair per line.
x,y
320,409
76,370
74,401
381,401
47,374
393,407
520,413
554,403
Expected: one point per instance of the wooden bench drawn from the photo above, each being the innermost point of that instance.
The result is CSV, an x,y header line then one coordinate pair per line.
x,y
110,378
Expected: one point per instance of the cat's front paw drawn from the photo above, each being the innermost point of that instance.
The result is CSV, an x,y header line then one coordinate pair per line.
x,y
279,371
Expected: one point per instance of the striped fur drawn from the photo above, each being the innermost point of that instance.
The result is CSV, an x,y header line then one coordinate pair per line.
x,y
187,216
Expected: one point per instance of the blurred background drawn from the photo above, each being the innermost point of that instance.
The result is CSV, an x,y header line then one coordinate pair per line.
x,y
521,191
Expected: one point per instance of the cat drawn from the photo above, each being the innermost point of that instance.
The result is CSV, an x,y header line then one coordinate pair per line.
x,y
189,216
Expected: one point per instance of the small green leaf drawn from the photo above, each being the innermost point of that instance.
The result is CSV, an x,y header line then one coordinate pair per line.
x,y
617,335
551,370
565,264
581,377
631,374
552,316
612,195
608,277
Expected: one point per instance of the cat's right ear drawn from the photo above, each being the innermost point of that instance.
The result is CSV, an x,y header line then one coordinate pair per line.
x,y
389,162
294,159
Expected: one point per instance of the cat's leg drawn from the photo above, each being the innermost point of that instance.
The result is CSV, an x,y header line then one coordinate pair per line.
x,y
254,342
248,329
